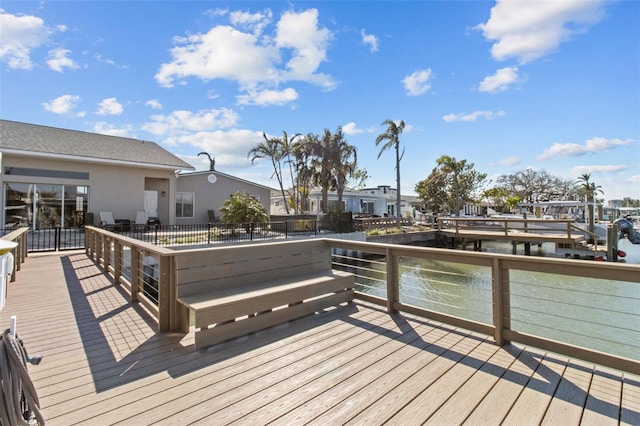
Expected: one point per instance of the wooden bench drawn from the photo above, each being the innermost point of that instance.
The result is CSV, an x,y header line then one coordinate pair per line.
x,y
238,290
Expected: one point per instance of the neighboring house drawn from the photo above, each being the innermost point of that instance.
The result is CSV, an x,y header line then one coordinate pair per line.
x,y
379,201
55,176
199,193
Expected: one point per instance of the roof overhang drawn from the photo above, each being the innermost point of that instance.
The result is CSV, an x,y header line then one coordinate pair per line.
x,y
92,160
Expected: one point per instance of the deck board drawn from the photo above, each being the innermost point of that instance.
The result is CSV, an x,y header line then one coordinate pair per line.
x,y
105,364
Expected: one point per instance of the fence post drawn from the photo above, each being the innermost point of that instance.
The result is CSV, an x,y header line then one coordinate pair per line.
x,y
117,261
56,237
135,273
106,252
172,315
208,232
612,242
393,280
501,301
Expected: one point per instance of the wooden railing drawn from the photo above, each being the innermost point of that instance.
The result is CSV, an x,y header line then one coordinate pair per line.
x,y
505,225
145,270
501,268
110,250
20,252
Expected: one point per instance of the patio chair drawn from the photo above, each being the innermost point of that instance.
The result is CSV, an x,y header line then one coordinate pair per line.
x,y
107,222
140,224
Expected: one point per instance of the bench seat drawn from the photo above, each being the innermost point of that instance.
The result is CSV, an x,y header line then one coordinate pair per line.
x,y
234,293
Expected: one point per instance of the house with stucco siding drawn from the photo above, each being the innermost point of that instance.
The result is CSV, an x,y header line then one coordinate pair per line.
x,y
52,176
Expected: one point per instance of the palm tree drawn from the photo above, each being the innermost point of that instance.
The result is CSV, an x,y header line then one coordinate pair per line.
x,y
392,136
346,161
287,148
270,148
323,153
589,189
303,154
449,166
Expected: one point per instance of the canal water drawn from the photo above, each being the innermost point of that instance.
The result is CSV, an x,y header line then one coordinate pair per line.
x,y
598,314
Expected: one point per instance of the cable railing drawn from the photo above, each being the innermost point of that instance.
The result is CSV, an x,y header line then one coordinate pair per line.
x,y
590,310
587,310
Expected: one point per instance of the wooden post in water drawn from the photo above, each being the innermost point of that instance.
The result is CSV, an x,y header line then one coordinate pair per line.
x,y
612,242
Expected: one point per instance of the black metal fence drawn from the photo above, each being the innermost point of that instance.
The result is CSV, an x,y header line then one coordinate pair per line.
x,y
57,239
53,239
212,233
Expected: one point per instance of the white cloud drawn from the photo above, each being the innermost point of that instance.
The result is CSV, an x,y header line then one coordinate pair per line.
x,y
58,60
108,61
252,59
154,104
370,40
223,52
268,97
489,115
62,104
634,179
579,170
300,33
593,145
509,161
351,129
255,22
109,106
230,147
528,30
213,13
501,80
417,83
19,35
109,129
186,122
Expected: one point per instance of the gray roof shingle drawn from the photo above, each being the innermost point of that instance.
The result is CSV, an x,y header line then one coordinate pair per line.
x,y
33,138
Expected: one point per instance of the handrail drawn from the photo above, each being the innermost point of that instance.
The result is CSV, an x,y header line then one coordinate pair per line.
x,y
525,221
107,247
501,265
21,236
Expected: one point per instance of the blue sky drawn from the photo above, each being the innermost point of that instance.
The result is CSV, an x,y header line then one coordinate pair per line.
x,y
506,85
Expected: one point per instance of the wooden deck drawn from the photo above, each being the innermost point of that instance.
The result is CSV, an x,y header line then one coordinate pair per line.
x,y
104,364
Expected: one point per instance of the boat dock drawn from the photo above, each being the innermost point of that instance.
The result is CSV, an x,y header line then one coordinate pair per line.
x,y
568,239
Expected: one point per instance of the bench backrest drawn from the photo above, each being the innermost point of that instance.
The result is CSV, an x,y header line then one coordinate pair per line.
x,y
200,271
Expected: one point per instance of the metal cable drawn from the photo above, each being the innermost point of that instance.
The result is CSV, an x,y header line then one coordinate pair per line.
x,y
19,403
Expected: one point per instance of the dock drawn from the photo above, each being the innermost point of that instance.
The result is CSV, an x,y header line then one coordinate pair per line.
x,y
105,363
567,238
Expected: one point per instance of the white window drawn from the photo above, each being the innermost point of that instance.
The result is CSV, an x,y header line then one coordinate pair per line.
x,y
185,205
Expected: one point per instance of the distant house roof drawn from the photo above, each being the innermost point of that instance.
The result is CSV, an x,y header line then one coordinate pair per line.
x,y
217,173
50,142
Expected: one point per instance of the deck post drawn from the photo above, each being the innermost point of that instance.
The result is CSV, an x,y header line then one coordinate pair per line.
x,y
135,273
117,261
171,313
164,285
106,252
392,280
501,304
